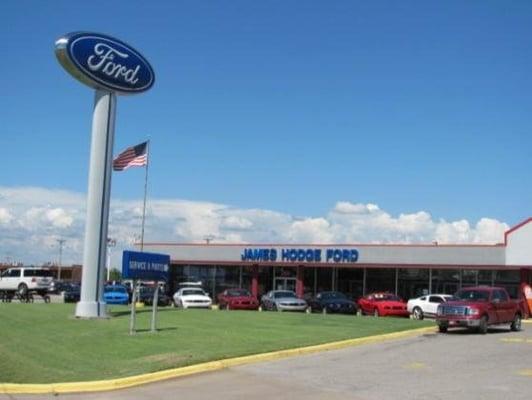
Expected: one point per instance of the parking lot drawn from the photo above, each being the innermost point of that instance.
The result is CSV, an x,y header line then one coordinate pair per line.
x,y
458,365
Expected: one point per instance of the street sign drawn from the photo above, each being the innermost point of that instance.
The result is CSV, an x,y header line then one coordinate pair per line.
x,y
145,266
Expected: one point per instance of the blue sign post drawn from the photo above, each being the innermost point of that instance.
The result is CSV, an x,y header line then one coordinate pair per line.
x,y
145,266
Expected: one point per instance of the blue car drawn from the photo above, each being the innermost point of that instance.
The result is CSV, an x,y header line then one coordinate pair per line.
x,y
116,294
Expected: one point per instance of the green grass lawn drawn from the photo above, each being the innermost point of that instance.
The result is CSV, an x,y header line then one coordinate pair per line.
x,y
44,343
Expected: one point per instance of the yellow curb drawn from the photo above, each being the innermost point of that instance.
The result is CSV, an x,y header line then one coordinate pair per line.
x,y
122,383
525,372
526,321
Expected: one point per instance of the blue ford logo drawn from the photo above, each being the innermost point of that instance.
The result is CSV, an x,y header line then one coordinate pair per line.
x,y
103,62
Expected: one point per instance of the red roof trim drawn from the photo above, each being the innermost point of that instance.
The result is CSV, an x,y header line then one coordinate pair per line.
x,y
316,245
516,227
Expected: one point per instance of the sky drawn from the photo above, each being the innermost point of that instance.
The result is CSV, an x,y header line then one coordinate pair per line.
x,y
275,121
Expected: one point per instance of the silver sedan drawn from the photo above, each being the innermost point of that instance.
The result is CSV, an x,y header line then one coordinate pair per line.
x,y
282,300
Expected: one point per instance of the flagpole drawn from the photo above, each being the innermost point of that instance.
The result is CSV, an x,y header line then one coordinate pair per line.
x,y
132,320
145,195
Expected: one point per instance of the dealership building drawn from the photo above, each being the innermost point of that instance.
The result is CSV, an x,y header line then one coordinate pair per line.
x,y
354,269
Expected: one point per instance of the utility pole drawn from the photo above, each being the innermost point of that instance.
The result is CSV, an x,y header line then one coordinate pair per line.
x,y
61,242
110,243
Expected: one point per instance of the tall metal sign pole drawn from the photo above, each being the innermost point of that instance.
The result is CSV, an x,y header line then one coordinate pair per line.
x,y
111,67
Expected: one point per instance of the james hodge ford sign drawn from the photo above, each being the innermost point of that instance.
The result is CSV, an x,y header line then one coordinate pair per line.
x,y
103,62
310,255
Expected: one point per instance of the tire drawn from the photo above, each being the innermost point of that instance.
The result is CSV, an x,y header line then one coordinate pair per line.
x,y
46,299
376,313
516,323
417,313
443,328
22,289
483,327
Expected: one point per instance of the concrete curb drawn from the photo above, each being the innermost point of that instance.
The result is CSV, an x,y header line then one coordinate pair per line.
x,y
122,383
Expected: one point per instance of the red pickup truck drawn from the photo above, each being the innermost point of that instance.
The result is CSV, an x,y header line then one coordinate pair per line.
x,y
479,307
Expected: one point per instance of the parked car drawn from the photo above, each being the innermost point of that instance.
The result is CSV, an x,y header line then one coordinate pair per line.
x,y
383,304
479,307
192,297
71,293
332,302
115,294
426,306
23,280
282,300
146,296
56,287
237,299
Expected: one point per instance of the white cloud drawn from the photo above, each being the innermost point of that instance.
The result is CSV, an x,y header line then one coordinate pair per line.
x,y
33,219
5,216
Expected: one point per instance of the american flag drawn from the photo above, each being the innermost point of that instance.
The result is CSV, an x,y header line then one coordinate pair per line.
x,y
135,156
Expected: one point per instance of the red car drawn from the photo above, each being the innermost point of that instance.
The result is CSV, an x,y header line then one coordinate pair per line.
x,y
237,299
383,304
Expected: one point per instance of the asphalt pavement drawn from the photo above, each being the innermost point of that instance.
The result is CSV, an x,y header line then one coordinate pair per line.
x,y
458,366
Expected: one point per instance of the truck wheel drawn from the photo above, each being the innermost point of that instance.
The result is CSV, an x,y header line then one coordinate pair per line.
x,y
483,326
516,323
443,328
22,289
417,313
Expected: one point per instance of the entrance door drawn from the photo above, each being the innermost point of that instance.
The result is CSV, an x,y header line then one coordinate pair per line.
x,y
285,284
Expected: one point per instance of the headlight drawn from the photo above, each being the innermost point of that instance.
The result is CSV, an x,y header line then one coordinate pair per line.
x,y
472,311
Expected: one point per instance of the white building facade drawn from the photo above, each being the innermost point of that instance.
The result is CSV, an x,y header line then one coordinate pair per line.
x,y
354,269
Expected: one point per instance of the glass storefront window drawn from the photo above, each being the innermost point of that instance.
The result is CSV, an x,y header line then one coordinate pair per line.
x,y
485,277
324,281
413,282
469,277
445,281
380,280
350,282
308,282
510,280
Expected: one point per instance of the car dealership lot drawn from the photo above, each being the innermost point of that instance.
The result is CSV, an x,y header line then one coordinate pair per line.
x,y
457,365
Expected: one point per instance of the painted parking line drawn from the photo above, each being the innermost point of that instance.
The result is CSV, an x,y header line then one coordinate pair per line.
x,y
525,372
516,340
122,383
415,365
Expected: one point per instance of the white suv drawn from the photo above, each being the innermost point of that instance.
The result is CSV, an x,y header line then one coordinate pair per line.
x,y
24,280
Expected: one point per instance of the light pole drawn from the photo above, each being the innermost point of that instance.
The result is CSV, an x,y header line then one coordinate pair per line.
x,y
61,242
110,243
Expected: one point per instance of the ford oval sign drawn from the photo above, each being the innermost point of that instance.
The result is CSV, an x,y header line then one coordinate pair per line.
x,y
103,62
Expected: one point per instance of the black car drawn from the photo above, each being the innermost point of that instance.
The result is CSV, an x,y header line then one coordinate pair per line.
x,y
332,302
71,293
146,296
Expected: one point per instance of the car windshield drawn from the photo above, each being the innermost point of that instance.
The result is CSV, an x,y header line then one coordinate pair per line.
x,y
238,292
332,295
386,297
279,295
472,295
189,292
119,289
